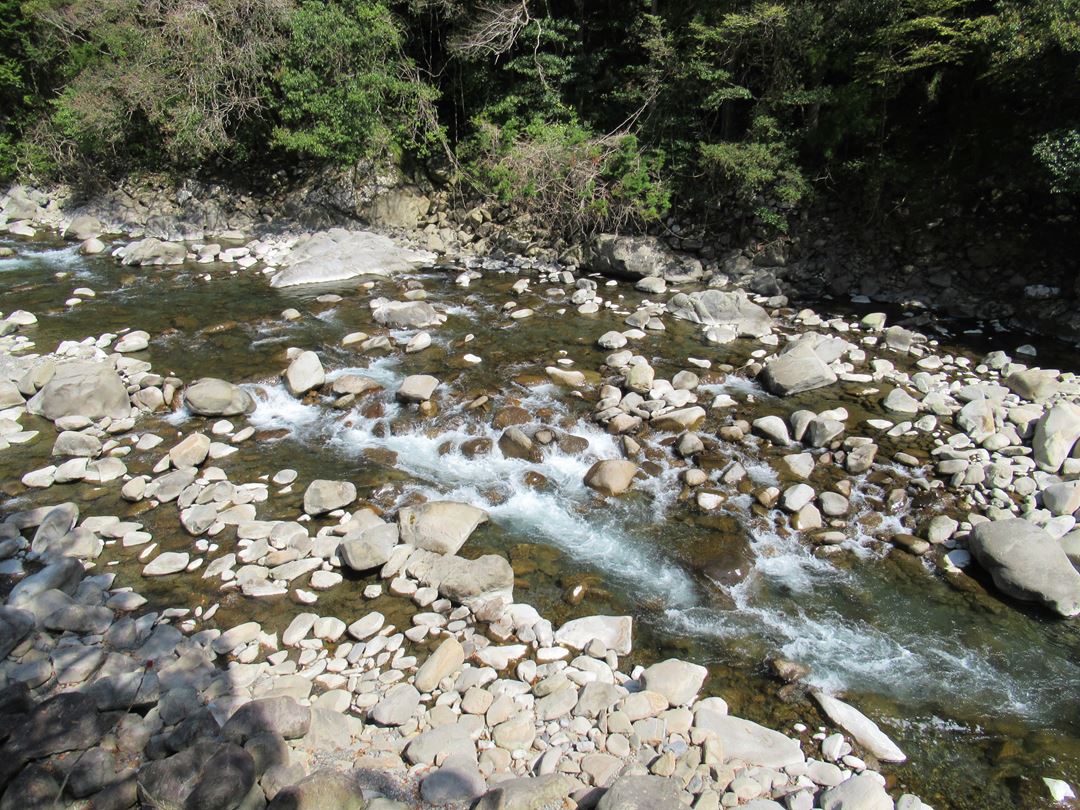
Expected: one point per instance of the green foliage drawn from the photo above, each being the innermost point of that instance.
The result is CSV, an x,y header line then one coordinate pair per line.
x,y
573,180
345,90
1059,153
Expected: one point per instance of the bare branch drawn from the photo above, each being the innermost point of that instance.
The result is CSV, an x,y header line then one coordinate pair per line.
x,y
494,32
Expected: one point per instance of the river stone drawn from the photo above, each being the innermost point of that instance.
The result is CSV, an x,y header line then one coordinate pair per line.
x,y
795,371
1033,384
68,721
446,660
83,227
862,729
371,549
417,388
429,745
1027,563
401,207
168,562
749,742
367,626
1062,499
14,625
457,780
10,396
407,315
151,251
58,522
282,716
77,388
82,619
439,526
304,373
338,254
614,631
62,575
719,308
861,792
636,257
679,419
678,681
323,496
191,452
397,706
1070,544
640,793
516,733
213,397
135,341
772,428
1055,434
900,401
474,582
528,793
74,443
611,476
326,789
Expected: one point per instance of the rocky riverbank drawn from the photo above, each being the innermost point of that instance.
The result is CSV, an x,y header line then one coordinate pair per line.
x,y
479,697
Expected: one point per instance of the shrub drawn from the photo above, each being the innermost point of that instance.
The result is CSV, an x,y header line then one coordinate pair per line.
x,y
1059,154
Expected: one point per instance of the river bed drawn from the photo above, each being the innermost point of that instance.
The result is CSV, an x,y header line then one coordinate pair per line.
x,y
982,693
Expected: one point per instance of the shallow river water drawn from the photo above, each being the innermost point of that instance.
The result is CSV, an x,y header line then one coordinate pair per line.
x,y
983,695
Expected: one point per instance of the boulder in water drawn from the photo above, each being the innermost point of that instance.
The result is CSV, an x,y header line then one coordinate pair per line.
x,y
719,308
213,397
304,373
635,257
614,631
439,526
611,476
407,315
864,730
797,370
1027,563
1055,434
324,496
80,388
338,254
151,251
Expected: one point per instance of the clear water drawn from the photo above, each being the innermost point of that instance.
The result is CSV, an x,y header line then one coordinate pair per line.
x,y
982,695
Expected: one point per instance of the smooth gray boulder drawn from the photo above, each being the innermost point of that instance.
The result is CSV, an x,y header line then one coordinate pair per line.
x,y
371,549
474,582
282,716
14,625
635,257
151,251
795,371
323,496
1055,434
304,373
678,681
749,742
439,526
861,792
397,706
79,388
213,397
338,254
528,793
615,631
407,315
401,207
417,388
720,308
326,789
1027,563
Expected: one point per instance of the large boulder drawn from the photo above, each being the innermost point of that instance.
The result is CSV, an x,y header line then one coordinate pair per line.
x,y
417,388
474,582
800,369
338,254
323,496
635,257
370,549
407,315
399,208
1055,434
719,308
678,681
79,388
616,632
862,792
439,526
151,251
1027,563
83,227
213,397
304,373
611,476
749,742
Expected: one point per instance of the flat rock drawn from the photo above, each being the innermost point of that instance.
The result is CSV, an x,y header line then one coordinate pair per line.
x,y
417,388
861,792
640,793
614,631
678,681
323,496
338,254
749,742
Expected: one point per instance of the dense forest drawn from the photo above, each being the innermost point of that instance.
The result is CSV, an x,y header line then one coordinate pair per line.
x,y
592,113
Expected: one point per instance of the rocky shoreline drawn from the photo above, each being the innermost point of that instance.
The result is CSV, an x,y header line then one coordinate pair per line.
x,y
506,710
